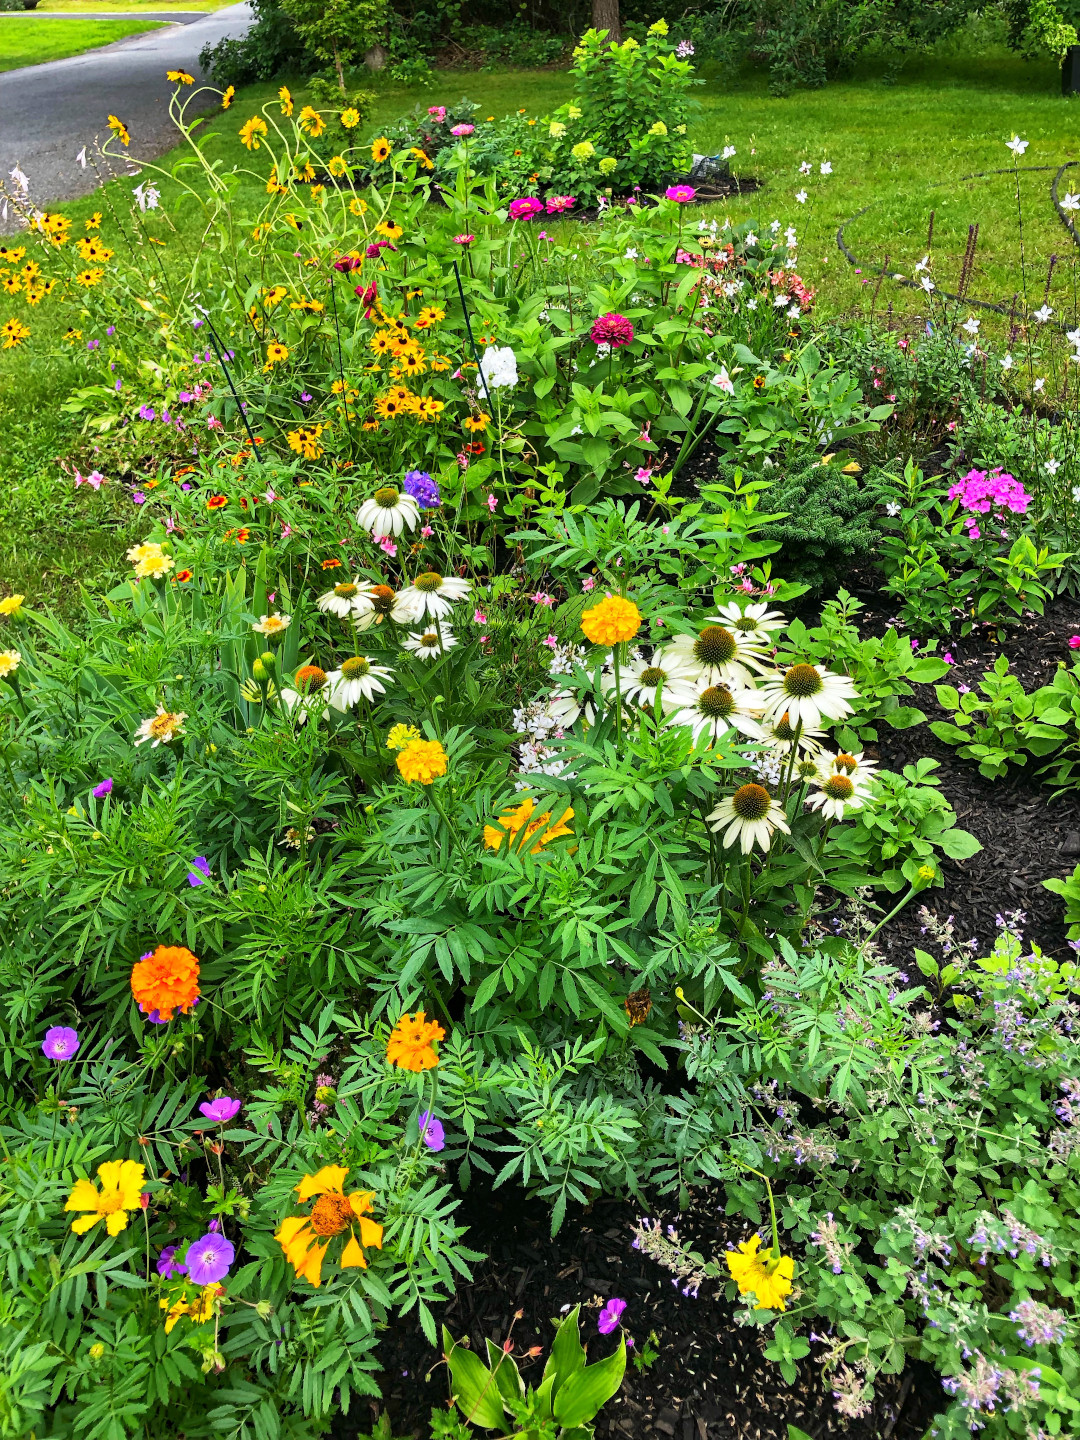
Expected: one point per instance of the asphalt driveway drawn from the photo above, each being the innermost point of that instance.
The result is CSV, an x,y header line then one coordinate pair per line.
x,y
49,112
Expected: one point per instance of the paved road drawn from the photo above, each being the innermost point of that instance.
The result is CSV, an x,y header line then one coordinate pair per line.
x,y
49,112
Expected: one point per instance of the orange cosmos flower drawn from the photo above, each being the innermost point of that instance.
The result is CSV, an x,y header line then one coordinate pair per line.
x,y
164,981
305,1239
412,1043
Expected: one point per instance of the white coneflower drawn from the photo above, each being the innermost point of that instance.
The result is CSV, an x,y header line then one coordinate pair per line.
x,y
389,512
837,793
307,693
340,600
430,644
751,815
716,710
808,694
358,679
757,623
161,728
716,656
780,733
430,594
373,604
854,766
10,660
566,707
272,625
642,678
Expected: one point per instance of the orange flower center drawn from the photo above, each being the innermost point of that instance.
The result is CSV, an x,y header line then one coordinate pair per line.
x,y
331,1214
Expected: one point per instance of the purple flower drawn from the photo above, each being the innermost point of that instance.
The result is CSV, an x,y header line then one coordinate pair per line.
x,y
92,344
62,1043
219,1110
423,489
460,130
431,1131
610,1316
185,397
200,870
168,1266
209,1258
105,788
138,498
146,412
110,329
305,398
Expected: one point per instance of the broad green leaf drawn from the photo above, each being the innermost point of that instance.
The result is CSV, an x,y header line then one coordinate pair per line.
x,y
587,1391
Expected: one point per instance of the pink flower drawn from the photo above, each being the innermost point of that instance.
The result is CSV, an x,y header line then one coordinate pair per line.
x,y
681,194
464,239
551,642
542,598
426,530
1074,642
948,658
462,130
747,585
643,476
903,344
463,459
491,503
213,423
479,618
588,584
525,208
556,204
439,112
386,545
286,530
270,497
612,329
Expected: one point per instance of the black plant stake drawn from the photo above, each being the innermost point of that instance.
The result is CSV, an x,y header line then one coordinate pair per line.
x,y
468,328
219,351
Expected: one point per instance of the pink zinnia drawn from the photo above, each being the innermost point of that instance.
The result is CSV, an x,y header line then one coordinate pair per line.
x,y
680,193
464,239
460,130
612,329
556,204
525,208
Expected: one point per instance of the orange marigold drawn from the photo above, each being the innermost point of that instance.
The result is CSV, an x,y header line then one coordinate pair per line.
x,y
164,981
412,1042
614,620
513,822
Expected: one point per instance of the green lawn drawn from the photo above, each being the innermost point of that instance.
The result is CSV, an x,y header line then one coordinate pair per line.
x,y
130,7
33,39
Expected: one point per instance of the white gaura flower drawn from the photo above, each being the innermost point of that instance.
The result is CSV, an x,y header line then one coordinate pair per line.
x,y
430,594
1017,146
340,600
716,710
389,512
1039,384
1070,202
307,695
430,644
162,728
499,367
800,196
825,167
751,816
358,679
272,625
807,694
834,795
1042,315
1053,466
640,680
756,623
716,656
373,604
971,325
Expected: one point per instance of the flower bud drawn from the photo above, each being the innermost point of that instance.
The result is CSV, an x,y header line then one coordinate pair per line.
x,y
260,672
97,1351
264,1309
267,657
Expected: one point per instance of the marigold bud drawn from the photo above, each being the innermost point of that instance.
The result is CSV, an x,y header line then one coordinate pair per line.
x,y
97,1351
260,672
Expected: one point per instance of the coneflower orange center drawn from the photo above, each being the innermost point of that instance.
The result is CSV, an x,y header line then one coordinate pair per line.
x,y
751,802
715,646
310,678
346,590
387,496
716,702
847,763
838,787
429,582
355,667
802,681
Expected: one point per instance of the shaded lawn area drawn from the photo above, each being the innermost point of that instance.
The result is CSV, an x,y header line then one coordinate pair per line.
x,y
33,39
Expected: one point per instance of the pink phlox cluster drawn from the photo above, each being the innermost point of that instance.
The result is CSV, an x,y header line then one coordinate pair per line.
x,y
980,492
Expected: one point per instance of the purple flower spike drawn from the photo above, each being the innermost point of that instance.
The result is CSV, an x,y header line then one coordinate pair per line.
x,y
168,1266
62,1043
610,1316
219,1110
200,870
105,788
431,1131
209,1258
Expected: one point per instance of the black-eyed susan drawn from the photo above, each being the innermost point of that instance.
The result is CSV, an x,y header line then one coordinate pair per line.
x,y
476,423
179,77
304,440
381,343
89,278
227,96
31,270
429,315
389,229
119,129
410,362
274,295
11,256
380,149
421,158
14,333
11,283
286,100
276,354
427,408
251,130
311,122
350,118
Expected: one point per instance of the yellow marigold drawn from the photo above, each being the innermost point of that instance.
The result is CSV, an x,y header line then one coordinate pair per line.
x,y
422,761
400,735
121,1191
611,622
164,981
251,130
412,1043
305,1239
515,820
768,1279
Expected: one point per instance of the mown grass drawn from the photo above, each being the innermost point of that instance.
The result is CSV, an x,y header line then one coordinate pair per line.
x,y
899,151
34,39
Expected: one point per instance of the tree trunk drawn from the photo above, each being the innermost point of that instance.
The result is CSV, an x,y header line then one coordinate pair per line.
x,y
605,16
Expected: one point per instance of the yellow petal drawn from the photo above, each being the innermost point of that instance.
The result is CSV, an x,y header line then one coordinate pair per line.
x,y
84,1196
109,1174
116,1222
132,1178
330,1177
360,1200
311,1268
84,1223
353,1255
371,1233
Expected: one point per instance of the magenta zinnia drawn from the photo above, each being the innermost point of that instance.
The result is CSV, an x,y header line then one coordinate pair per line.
x,y
681,194
612,329
525,208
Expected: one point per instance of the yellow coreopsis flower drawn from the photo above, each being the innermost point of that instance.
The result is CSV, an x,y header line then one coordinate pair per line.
x,y
768,1278
350,118
121,1191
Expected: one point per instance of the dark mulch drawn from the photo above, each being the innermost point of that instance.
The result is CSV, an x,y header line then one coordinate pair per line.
x,y
711,1381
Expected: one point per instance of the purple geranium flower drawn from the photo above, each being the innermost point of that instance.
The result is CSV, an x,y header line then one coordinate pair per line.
x,y
200,869
168,1266
209,1258
146,412
60,1043
423,489
105,788
219,1110
431,1131
610,1316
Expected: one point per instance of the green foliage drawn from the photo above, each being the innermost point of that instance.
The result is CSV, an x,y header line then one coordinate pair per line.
x,y
996,723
